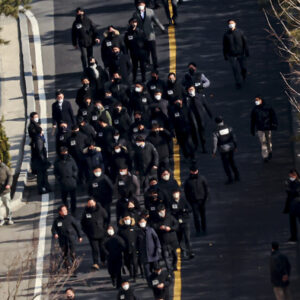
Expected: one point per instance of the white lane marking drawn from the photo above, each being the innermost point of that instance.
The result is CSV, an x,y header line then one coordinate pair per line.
x,y
38,288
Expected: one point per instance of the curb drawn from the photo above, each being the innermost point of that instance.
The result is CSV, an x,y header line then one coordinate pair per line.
x,y
26,62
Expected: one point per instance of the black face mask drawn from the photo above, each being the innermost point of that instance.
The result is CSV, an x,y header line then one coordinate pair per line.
x,y
117,80
193,175
86,86
110,34
177,104
191,71
63,129
92,150
153,78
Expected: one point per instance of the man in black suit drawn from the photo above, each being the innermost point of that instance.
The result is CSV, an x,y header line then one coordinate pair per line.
x,y
62,111
120,63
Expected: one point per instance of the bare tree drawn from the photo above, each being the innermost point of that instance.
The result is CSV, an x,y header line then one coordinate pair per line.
x,y
287,15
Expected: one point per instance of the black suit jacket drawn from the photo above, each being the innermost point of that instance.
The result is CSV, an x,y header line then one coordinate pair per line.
x,y
65,114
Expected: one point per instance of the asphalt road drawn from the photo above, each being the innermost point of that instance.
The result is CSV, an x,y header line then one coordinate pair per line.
x,y
232,260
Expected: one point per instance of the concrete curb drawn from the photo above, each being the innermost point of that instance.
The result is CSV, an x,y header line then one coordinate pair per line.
x,y
30,106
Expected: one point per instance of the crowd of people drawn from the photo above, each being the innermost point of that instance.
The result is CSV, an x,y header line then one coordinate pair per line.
x,y
119,145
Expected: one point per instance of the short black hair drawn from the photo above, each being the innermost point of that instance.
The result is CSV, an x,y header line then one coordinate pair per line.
x,y
61,206
32,114
193,64
229,20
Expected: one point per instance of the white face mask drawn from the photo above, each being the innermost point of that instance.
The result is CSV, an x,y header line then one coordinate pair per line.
x,y
143,224
192,93
118,150
141,7
166,177
60,101
292,178
231,26
127,222
138,89
140,144
116,137
110,232
257,102
125,287
122,173
97,174
162,214
157,97
36,120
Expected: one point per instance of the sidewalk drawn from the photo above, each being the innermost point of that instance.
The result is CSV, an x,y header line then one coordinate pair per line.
x,y
12,105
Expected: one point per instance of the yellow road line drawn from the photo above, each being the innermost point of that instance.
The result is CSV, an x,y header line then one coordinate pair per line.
x,y
172,55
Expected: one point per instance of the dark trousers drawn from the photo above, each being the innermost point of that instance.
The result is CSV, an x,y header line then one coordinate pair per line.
x,y
169,255
148,268
293,227
238,65
199,214
184,233
68,249
64,197
151,47
86,53
201,133
97,250
42,180
131,263
229,164
167,10
136,61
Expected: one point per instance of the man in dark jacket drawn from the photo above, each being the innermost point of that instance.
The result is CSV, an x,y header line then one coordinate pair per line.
x,y
145,161
166,226
195,78
128,231
161,139
120,63
196,193
155,83
280,269
93,220
182,121
85,91
84,36
292,187
166,184
6,180
85,111
111,37
32,131
173,89
199,107
121,119
181,210
263,122
66,171
62,111
92,160
97,77
126,292
65,229
40,161
114,247
135,41
160,281
235,49
149,248
224,141
101,189
127,183
62,136
76,143
141,101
